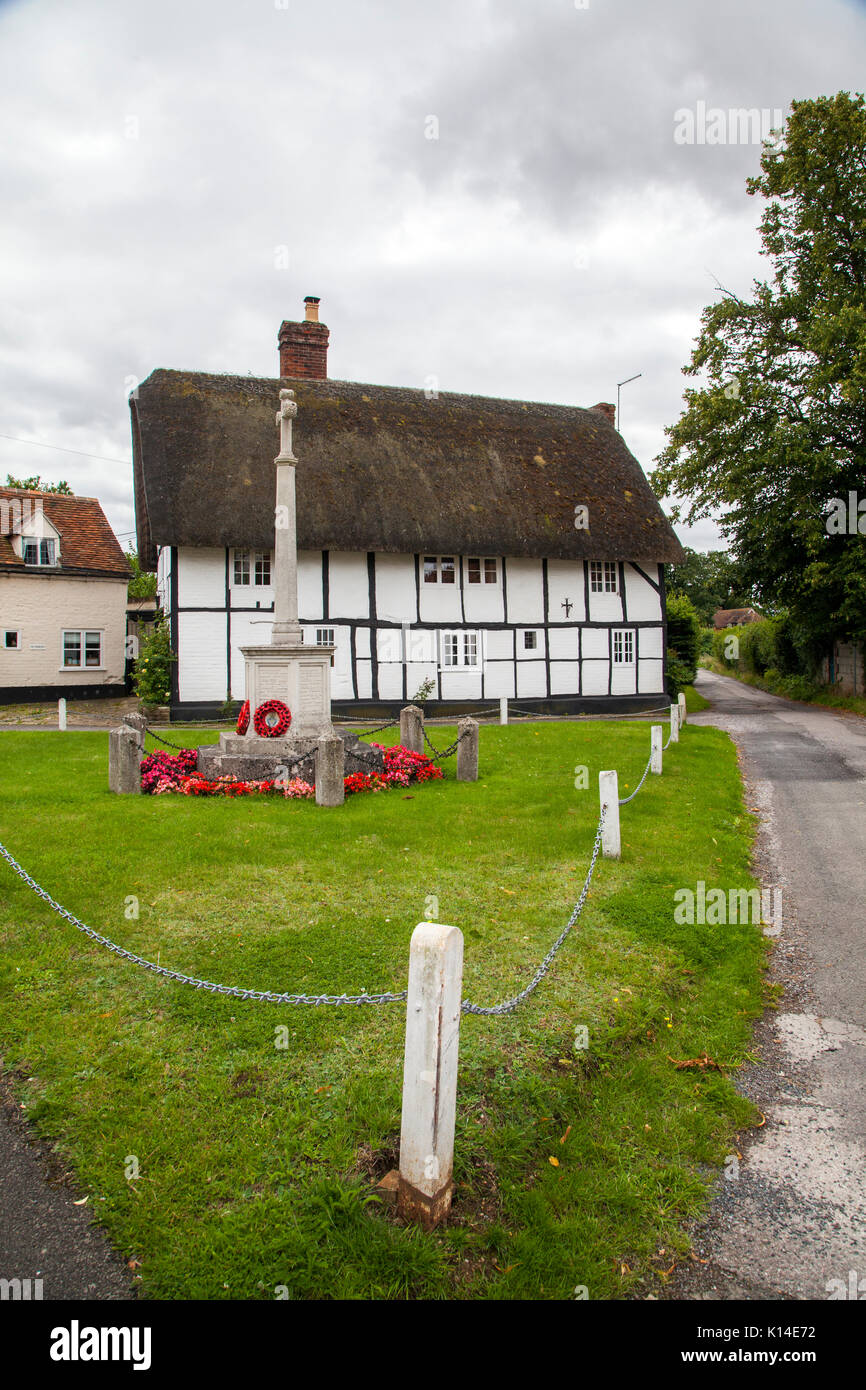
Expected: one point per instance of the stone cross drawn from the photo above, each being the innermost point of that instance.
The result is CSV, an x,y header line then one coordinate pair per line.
x,y
285,415
286,630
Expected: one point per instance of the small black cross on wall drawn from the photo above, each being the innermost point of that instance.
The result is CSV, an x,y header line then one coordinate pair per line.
x,y
567,605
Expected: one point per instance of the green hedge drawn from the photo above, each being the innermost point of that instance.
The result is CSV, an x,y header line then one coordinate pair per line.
x,y
684,643
768,647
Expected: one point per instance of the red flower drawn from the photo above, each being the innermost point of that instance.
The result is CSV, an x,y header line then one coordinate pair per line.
x,y
244,717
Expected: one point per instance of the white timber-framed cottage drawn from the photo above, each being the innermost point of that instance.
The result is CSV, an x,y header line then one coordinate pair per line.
x,y
484,547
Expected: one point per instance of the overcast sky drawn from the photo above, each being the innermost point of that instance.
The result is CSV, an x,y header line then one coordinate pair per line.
x,y
177,175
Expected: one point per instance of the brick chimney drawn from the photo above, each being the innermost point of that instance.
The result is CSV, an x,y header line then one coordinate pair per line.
x,y
605,408
304,346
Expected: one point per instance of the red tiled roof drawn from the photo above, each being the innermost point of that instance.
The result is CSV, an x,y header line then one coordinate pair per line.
x,y
87,542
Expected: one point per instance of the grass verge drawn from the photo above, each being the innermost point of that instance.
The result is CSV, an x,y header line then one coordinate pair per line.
x,y
257,1162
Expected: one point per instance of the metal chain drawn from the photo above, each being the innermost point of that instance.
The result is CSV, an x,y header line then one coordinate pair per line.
x,y
262,996
180,748
623,800
511,1004
367,732
448,751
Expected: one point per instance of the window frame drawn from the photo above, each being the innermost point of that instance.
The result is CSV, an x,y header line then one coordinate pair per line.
x,y
628,647
436,574
484,563
11,632
603,571
465,643
82,634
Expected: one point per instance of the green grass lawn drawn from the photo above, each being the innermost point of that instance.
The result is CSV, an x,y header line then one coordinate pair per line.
x,y
257,1162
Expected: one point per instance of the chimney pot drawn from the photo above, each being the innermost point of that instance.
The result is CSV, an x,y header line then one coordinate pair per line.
x,y
311,312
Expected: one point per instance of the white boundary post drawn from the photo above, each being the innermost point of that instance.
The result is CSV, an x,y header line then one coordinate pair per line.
x,y
503,709
61,713
430,1073
608,792
681,701
656,748
675,723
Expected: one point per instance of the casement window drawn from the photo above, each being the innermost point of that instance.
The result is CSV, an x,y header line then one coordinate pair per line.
x,y
482,570
36,552
11,641
530,641
81,648
325,637
623,646
603,577
439,569
459,649
252,563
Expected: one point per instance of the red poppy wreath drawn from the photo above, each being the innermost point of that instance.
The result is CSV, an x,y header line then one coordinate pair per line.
x,y
272,719
244,717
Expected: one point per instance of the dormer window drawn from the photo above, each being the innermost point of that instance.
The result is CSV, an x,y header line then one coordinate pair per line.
x,y
38,552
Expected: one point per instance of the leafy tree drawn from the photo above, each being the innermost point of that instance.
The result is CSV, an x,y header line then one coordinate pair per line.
x,y
779,429
143,582
712,580
35,484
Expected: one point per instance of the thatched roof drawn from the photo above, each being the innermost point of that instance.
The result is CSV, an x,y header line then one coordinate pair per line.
x,y
384,468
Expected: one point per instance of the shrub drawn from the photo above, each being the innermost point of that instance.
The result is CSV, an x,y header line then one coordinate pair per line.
x,y
684,640
152,675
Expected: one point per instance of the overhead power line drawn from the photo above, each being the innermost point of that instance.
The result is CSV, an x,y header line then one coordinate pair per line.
x,y
61,450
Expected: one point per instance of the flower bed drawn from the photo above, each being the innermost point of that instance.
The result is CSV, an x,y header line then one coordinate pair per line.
x,y
175,772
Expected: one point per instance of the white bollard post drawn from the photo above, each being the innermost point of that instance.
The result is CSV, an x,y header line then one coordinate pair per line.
x,y
608,792
503,709
675,723
656,748
61,714
430,1073
681,701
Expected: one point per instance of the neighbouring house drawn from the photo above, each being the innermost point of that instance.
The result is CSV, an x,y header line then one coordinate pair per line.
x,y
735,617
63,581
441,540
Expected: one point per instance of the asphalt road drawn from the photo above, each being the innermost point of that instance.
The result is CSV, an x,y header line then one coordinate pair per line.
x,y
792,1220
44,1236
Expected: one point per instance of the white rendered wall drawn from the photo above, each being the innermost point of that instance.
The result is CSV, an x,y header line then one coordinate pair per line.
x,y
348,585
395,588
643,602
202,669
565,580
39,608
525,592
201,581
310,592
